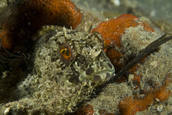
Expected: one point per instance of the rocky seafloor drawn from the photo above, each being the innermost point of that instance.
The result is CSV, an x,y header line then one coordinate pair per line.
x,y
57,87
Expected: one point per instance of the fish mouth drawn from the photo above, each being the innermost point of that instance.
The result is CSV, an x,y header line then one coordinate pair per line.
x,y
100,76
104,75
106,72
97,71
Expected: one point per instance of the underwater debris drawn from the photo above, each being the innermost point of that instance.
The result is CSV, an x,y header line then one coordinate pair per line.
x,y
28,16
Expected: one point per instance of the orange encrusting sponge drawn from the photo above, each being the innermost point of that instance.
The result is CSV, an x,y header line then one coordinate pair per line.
x,y
130,105
5,41
60,12
30,15
85,110
113,29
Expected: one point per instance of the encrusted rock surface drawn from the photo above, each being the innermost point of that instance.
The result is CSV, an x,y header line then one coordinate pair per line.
x,y
153,71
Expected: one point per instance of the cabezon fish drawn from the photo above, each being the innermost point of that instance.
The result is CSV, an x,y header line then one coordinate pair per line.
x,y
68,65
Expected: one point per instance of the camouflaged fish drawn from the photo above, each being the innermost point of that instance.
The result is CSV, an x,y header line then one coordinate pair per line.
x,y
68,65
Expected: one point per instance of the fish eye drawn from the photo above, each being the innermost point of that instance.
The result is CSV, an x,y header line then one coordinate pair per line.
x,y
65,52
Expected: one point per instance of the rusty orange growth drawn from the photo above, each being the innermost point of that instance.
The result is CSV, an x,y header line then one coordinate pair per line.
x,y
114,56
5,41
30,15
60,12
113,29
85,110
130,105
89,110
163,93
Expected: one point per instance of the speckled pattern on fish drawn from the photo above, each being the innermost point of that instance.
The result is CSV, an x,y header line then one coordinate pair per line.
x,y
58,84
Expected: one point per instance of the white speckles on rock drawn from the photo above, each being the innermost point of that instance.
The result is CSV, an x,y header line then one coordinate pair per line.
x,y
110,97
160,108
116,2
136,38
6,111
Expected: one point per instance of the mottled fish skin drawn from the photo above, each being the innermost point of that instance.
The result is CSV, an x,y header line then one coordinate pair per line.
x,y
87,62
58,84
